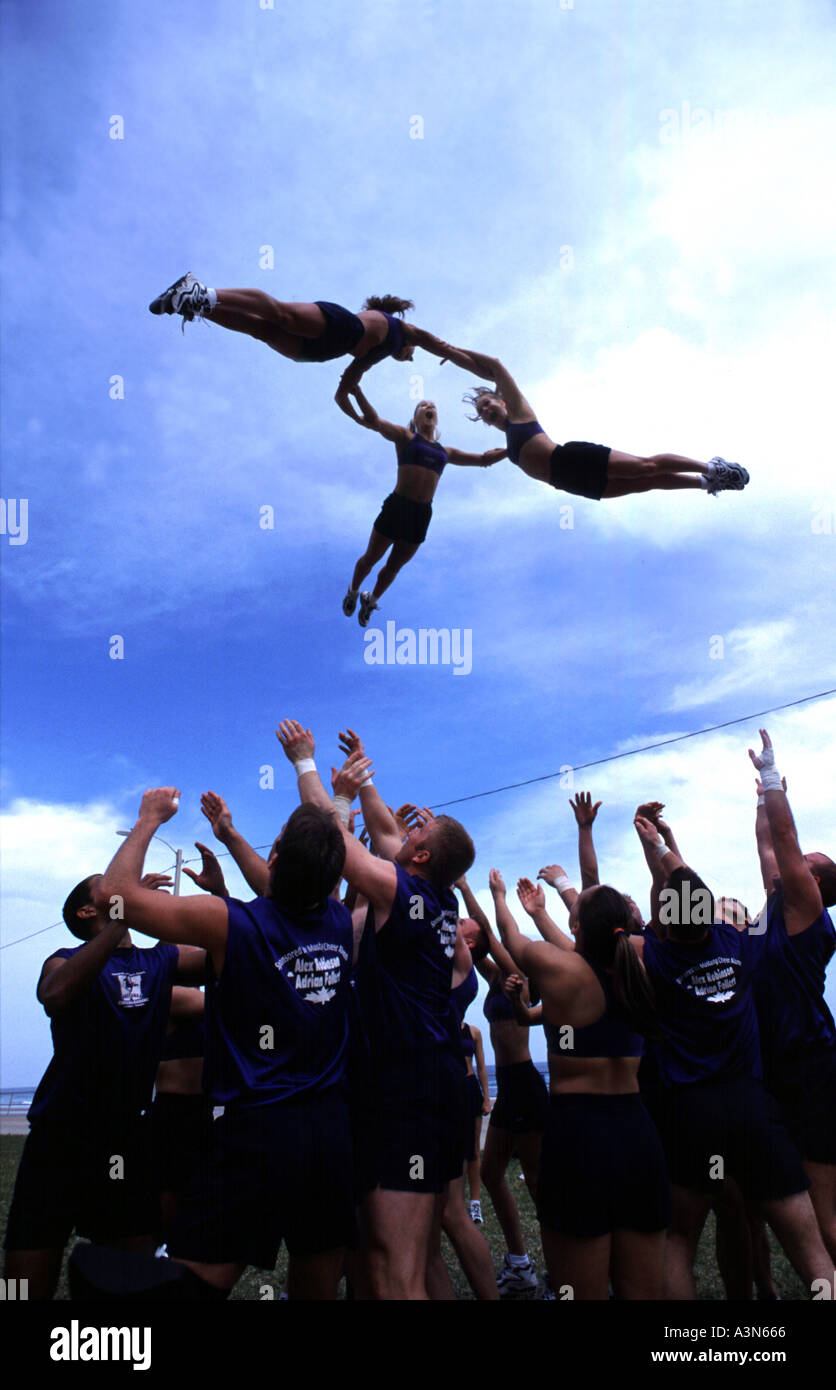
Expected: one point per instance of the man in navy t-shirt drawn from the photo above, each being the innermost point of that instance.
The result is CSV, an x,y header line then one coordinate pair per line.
x,y
86,1161
791,945
718,1119
277,1027
417,1071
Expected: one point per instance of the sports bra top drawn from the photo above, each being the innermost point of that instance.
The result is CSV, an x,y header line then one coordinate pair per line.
x,y
464,994
609,1037
498,1006
517,435
392,343
423,453
468,1041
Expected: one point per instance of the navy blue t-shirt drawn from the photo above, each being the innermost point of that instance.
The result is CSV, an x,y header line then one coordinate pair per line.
x,y
705,1005
405,976
788,983
109,1042
277,1019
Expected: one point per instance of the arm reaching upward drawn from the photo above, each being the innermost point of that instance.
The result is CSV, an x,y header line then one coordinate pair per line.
x,y
527,1016
801,893
533,900
249,861
379,820
585,814
555,876
661,862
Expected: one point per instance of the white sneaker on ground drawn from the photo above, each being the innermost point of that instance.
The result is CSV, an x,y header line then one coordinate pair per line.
x,y
516,1278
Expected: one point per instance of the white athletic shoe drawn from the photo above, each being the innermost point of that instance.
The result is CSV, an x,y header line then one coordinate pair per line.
x,y
516,1278
476,1212
192,301
164,303
367,607
724,477
350,602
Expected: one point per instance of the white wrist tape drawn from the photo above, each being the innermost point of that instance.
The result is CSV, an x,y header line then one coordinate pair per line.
x,y
661,848
771,779
562,882
761,799
305,765
342,806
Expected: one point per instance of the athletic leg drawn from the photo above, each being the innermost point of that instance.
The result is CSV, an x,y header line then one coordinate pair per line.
x,y
398,1231
733,1244
793,1220
473,1166
661,482
468,1243
689,1212
528,1149
401,553
638,1264
579,1263
633,466
823,1196
495,1158
41,1268
375,550
314,1278
302,320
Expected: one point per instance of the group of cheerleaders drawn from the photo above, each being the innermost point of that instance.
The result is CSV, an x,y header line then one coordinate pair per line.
x,y
322,331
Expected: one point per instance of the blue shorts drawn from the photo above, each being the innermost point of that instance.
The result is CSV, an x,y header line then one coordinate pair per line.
x,y
403,519
522,1101
805,1089
602,1167
580,468
739,1122
274,1172
67,1179
416,1142
341,334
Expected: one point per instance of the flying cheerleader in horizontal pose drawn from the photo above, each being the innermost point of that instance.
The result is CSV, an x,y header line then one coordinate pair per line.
x,y
316,332
586,470
405,515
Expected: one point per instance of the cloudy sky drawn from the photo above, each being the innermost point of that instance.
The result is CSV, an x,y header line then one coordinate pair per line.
x,y
628,203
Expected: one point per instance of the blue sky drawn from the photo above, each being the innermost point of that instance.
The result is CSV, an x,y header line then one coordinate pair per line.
x,y
627,204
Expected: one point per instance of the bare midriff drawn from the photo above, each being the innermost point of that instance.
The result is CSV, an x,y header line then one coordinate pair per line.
x,y
599,1076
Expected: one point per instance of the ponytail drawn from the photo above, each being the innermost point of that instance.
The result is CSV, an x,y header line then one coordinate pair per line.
x,y
606,922
388,304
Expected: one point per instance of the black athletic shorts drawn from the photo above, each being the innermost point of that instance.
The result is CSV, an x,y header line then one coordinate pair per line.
x,y
473,1110
580,468
602,1167
343,331
416,1142
738,1121
274,1172
522,1100
181,1130
805,1089
75,1175
402,519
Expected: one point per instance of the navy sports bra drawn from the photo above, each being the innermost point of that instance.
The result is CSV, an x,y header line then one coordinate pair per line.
x,y
392,343
517,435
498,1006
609,1037
424,454
468,1041
464,994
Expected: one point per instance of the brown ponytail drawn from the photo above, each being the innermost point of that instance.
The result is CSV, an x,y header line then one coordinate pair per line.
x,y
606,921
388,304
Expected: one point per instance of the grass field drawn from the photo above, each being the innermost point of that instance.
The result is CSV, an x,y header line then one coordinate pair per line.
x,y
254,1283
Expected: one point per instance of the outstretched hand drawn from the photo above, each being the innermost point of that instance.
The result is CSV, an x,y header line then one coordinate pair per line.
x,y
159,804
551,873
210,878
585,812
496,883
646,830
156,881
217,813
651,810
352,775
298,743
531,896
350,742
766,758
513,986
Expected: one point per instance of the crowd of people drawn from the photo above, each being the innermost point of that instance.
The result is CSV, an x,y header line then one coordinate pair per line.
x,y
324,1089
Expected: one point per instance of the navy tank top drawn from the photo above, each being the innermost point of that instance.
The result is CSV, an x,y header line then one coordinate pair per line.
x,y
705,1006
517,435
392,343
610,1036
788,983
423,453
464,994
108,1044
498,1007
277,1019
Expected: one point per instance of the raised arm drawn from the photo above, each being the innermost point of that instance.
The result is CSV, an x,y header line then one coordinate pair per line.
x,y
528,1016
801,894
556,877
763,840
532,956
380,822
193,921
396,434
249,861
498,952
376,879
533,900
63,982
585,814
661,861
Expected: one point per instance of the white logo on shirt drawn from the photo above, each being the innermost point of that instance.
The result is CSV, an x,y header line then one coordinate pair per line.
x,y
130,989
313,970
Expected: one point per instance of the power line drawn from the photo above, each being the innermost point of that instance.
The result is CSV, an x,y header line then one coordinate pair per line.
x,y
530,781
